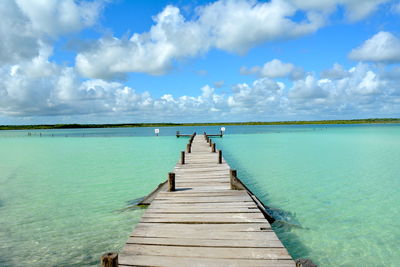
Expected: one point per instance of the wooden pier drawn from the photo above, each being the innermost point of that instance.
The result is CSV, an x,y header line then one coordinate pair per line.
x,y
200,217
221,134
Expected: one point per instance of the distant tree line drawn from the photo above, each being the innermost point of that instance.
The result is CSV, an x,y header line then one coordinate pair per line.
x,y
122,125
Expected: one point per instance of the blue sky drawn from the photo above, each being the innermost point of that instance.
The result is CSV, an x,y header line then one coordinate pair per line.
x,y
196,61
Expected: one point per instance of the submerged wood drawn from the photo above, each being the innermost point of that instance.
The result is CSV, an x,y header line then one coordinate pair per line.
x,y
109,260
150,197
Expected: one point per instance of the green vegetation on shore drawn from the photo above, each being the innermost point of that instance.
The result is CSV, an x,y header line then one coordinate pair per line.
x,y
120,125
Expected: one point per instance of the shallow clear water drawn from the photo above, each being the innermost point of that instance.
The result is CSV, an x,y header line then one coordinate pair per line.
x,y
65,201
68,196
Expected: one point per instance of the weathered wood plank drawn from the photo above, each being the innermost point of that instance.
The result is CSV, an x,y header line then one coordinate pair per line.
x,y
231,235
206,252
204,216
244,227
145,260
200,220
201,242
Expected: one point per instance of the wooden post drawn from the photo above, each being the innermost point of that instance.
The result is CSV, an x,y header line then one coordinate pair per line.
x,y
213,148
182,157
109,260
233,176
236,184
219,156
177,133
171,181
188,148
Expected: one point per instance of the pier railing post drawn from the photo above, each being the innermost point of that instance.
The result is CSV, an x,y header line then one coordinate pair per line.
x,y
109,260
236,184
182,157
233,175
213,148
219,156
171,181
188,148
211,142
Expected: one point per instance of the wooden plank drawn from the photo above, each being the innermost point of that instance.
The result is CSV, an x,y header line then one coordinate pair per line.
x,y
200,194
231,235
126,260
205,217
190,210
244,227
202,242
207,252
200,220
205,198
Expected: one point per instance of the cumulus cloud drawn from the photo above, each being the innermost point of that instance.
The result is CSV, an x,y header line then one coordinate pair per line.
x,y
308,88
337,72
59,91
382,47
261,96
230,25
274,69
26,25
32,85
354,9
60,17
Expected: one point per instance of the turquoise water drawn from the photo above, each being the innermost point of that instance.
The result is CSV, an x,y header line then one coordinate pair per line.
x,y
69,196
65,201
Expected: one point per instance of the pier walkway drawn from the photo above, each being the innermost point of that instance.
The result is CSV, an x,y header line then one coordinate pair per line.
x,y
203,222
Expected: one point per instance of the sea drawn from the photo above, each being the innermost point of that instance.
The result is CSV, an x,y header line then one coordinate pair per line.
x,y
67,196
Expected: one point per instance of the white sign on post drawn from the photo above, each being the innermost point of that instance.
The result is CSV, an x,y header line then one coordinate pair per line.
x,y
157,131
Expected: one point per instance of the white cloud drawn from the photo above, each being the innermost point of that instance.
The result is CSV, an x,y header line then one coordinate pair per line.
x,y
170,38
261,96
18,42
382,47
275,69
355,10
27,25
219,84
335,73
33,85
59,91
230,25
238,25
59,17
309,88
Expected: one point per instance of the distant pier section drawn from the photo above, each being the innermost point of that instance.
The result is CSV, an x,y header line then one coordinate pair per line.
x,y
221,134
